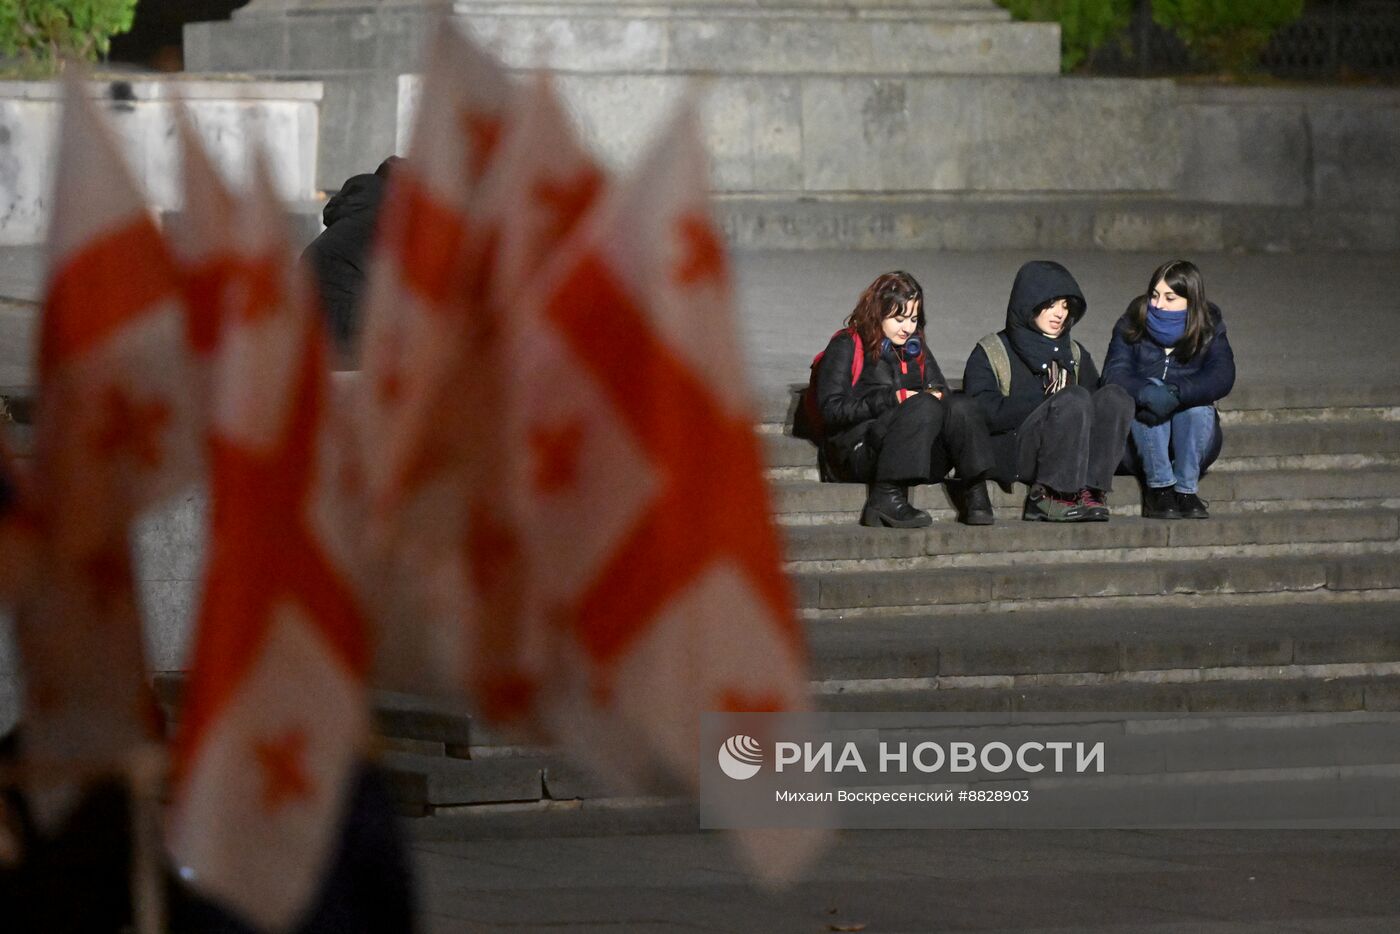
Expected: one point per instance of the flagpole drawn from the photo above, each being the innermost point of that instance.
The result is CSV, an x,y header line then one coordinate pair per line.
x,y
145,774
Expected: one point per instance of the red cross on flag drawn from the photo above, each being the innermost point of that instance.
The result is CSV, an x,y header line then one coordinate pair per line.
x,y
420,294
203,242
275,714
412,420
545,183
641,511
17,529
115,432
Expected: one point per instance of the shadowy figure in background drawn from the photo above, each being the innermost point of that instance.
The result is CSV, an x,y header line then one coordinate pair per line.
x,y
339,256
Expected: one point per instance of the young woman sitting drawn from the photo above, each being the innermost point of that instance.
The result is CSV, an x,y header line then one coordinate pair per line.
x,y
1051,427
1170,353
887,417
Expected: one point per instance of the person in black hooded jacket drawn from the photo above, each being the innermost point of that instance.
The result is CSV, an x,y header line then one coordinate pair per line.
x,y
887,416
338,257
1052,427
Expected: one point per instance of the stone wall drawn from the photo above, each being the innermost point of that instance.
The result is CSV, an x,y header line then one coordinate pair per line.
x,y
1326,147
231,116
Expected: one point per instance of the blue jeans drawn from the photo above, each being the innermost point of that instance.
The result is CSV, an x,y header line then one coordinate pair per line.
x,y
1172,452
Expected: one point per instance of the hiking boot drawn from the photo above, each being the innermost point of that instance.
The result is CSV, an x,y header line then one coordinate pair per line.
x,y
976,504
1160,503
1046,505
1095,506
888,505
1191,506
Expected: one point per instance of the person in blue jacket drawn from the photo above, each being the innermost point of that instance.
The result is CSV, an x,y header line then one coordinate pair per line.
x,y
1170,352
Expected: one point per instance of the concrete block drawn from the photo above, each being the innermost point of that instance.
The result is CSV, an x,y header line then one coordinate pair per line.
x,y
1382,695
845,543
1195,229
1038,654
881,589
1284,528
564,781
973,700
1349,643
1048,582
252,45
1275,696
1214,647
1374,483
1363,572
230,116
1036,537
170,543
1240,154
1126,698
405,716
986,134
431,781
1243,576
1354,154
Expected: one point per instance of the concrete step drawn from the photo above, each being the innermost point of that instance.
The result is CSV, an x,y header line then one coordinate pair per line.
x,y
1248,404
982,589
810,502
1380,694
1250,445
1084,646
1019,221
948,544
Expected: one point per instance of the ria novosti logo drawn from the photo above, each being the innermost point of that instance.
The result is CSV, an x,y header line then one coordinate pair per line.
x,y
740,757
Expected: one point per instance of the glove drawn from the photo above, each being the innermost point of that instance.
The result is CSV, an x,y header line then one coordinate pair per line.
x,y
1157,402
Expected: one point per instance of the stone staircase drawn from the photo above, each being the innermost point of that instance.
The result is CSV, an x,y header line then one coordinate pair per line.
x,y
1287,600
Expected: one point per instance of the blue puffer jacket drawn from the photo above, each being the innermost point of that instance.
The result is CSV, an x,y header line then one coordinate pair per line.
x,y
1205,379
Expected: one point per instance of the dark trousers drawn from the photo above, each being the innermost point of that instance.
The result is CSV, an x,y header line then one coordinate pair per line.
x,y
922,438
1075,438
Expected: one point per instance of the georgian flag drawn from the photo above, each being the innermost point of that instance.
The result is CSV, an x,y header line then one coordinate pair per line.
x,y
275,714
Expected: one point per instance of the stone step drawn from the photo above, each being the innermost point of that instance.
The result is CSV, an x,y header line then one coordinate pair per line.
x,y
1379,694
1018,220
813,502
946,544
1248,404
983,589
1084,646
1271,439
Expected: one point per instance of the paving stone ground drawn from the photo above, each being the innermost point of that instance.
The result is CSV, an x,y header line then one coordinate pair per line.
x,y
1096,882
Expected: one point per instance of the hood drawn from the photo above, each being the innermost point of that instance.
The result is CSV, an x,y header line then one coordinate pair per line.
x,y
360,195
1038,283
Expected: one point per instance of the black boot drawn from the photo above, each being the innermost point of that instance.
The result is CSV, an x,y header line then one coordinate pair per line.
x,y
1160,503
973,501
888,505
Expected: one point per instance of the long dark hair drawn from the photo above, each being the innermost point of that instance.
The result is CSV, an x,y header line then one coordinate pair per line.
x,y
1183,278
884,298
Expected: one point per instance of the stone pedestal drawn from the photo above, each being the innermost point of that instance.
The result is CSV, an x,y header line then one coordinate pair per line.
x,y
233,117
358,49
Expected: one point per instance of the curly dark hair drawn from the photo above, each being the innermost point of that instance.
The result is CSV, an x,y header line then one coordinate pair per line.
x,y
884,298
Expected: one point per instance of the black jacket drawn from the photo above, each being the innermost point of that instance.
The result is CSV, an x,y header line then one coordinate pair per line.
x,y
1036,284
1205,379
848,410
339,257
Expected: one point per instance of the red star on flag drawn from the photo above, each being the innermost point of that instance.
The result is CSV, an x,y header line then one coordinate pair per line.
x,y
483,133
282,762
130,428
556,457
568,200
703,253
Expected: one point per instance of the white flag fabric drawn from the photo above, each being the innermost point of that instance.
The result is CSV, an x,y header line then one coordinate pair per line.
x,y
275,712
116,431
641,512
422,290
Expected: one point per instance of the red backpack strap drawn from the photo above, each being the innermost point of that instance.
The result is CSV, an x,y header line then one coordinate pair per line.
x,y
857,361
